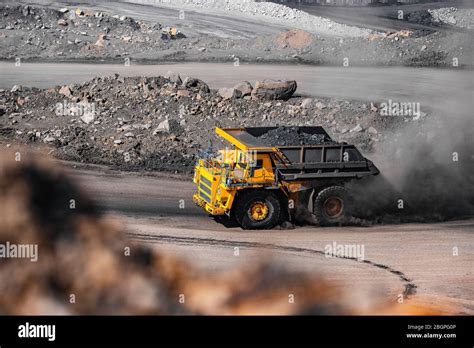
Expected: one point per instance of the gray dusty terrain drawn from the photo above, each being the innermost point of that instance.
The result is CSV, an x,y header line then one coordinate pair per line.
x,y
398,256
427,85
160,125
385,18
135,151
114,32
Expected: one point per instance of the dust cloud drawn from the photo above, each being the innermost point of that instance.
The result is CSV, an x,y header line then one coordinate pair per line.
x,y
427,172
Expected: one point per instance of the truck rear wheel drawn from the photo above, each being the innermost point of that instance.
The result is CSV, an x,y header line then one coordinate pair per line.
x,y
257,209
332,206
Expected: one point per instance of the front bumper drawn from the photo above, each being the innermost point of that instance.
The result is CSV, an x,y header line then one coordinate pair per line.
x,y
207,207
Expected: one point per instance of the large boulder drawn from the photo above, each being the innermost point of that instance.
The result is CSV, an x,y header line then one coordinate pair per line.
x,y
173,77
244,87
229,93
196,85
274,89
66,91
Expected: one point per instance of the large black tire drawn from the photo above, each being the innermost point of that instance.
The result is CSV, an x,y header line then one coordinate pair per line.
x,y
332,206
263,203
226,221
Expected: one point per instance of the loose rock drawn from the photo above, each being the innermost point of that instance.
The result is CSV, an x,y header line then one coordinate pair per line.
x,y
274,89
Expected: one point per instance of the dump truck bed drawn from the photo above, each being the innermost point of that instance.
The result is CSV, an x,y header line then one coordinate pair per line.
x,y
326,159
249,138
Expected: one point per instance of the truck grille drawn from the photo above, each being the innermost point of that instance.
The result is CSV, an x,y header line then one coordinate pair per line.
x,y
204,196
204,187
205,180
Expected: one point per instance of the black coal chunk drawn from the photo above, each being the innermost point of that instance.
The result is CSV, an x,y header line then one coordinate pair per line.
x,y
288,136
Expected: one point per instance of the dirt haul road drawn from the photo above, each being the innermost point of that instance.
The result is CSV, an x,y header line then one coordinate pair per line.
x,y
427,86
382,18
195,24
415,261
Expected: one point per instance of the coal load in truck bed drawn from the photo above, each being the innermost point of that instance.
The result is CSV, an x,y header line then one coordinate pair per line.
x,y
290,136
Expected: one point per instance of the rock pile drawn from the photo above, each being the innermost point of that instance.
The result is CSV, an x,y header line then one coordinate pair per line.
x,y
445,16
38,31
158,123
463,18
269,11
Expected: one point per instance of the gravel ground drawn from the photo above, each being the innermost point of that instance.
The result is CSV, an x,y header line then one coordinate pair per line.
x,y
462,18
267,12
37,32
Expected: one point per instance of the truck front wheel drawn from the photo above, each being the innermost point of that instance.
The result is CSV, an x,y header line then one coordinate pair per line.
x,y
257,209
332,206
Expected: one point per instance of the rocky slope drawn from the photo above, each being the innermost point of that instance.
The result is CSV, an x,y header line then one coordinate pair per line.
x,y
36,33
161,123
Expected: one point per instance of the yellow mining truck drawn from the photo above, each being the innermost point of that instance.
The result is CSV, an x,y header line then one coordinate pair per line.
x,y
259,186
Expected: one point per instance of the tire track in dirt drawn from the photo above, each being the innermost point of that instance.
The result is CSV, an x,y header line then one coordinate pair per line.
x,y
409,285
